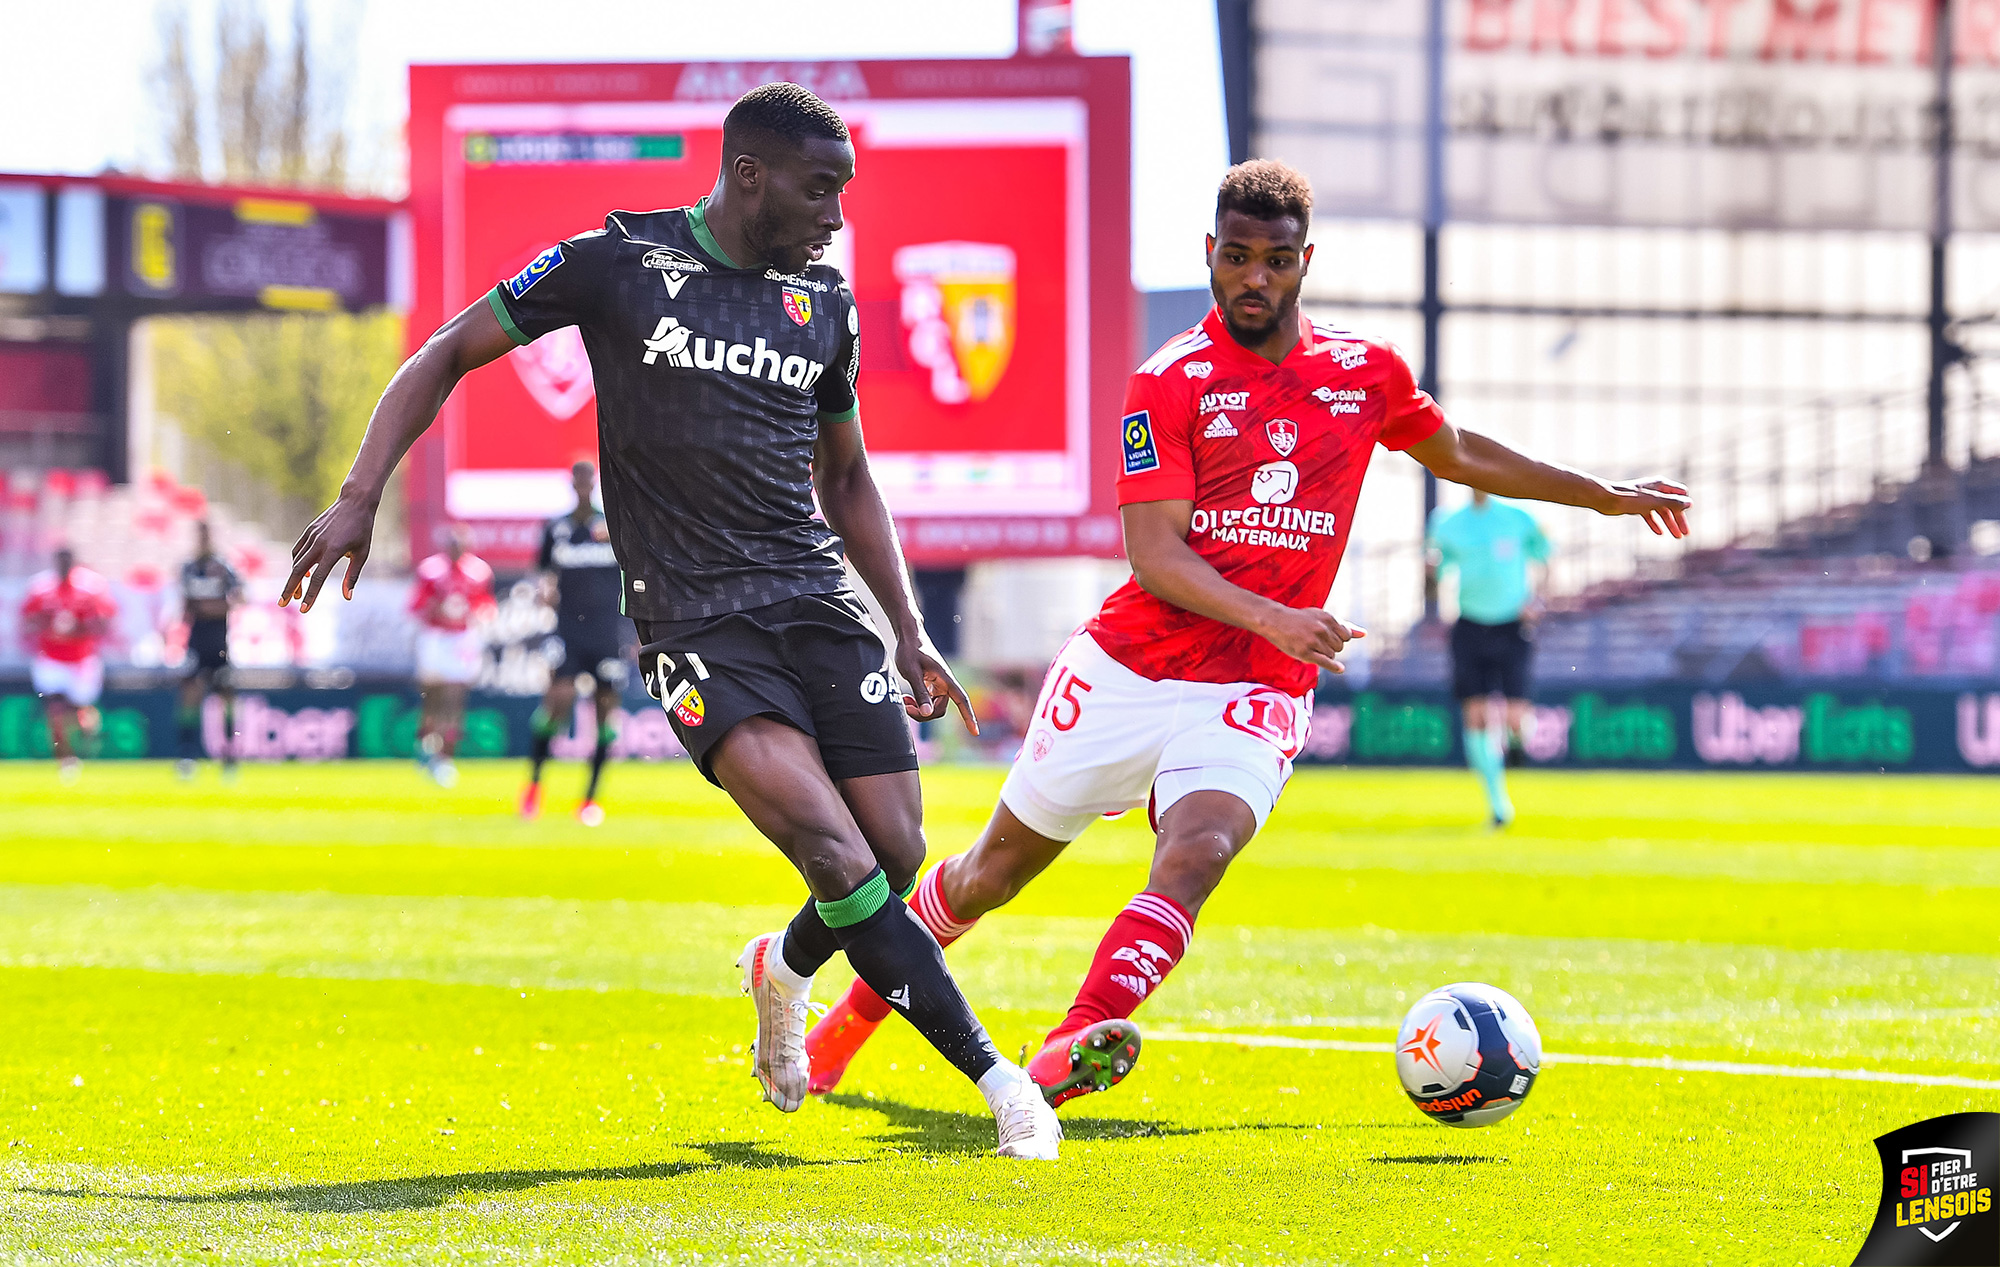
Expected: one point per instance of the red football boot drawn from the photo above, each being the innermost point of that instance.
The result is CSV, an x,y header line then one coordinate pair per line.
x,y
1094,1058
531,800
832,1043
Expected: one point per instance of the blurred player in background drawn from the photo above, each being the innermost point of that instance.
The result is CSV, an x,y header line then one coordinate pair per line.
x,y
68,611
209,588
581,580
454,589
724,357
1244,442
1492,546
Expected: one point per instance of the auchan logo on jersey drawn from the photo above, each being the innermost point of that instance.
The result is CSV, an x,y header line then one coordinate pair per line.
x,y
685,350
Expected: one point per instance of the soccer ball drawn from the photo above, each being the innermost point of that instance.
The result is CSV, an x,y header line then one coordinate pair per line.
x,y
1468,1054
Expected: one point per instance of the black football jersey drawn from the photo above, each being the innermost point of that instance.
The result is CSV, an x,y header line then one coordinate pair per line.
x,y
713,381
206,580
587,578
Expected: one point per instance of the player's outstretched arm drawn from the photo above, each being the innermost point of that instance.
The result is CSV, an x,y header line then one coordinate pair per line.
x,y
853,507
1478,461
408,406
1168,568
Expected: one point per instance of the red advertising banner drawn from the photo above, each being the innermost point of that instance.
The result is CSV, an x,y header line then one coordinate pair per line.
x,y
987,242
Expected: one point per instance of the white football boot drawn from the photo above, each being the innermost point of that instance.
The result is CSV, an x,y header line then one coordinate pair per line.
x,y
778,1057
1029,1129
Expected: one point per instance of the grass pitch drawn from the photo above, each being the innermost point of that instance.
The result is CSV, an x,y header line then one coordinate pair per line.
x,y
332,1014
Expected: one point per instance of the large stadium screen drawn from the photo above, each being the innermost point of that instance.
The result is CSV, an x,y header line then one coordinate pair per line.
x,y
969,245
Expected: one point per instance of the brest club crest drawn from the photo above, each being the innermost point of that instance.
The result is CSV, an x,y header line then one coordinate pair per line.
x,y
1284,435
556,371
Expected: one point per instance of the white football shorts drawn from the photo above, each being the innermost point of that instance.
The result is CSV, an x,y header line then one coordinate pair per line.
x,y
78,681
1104,740
449,658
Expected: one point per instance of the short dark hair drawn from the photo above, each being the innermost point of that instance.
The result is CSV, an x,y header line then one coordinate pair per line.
x,y
783,111
1265,189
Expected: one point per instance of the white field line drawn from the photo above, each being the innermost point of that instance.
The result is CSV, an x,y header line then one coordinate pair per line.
x,y
1629,1062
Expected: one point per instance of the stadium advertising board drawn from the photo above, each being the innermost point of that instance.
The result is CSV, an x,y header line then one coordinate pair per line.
x,y
987,243
1665,725
194,248
1794,114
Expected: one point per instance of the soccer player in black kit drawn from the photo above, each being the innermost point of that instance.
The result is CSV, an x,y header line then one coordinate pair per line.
x,y
209,588
582,582
725,357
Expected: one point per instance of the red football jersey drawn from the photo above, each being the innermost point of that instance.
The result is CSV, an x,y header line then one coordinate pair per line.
x,y
1272,456
460,592
71,612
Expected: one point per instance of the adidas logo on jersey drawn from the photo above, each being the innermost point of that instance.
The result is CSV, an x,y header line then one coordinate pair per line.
x,y
1219,428
684,350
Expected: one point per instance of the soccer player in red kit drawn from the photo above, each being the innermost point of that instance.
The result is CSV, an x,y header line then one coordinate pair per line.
x,y
67,613
1245,440
453,589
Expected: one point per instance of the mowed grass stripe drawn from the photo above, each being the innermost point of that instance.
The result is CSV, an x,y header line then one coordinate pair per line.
x,y
1686,997
292,1120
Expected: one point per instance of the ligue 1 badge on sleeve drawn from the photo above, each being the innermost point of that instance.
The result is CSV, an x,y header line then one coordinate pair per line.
x,y
1937,1204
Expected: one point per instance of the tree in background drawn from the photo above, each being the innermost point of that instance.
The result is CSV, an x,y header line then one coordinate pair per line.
x,y
277,400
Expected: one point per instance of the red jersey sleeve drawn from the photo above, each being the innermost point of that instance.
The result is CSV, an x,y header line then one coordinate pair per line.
x,y
422,592
1412,416
1156,443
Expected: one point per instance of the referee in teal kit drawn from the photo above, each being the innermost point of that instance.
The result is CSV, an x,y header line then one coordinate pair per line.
x,y
1491,545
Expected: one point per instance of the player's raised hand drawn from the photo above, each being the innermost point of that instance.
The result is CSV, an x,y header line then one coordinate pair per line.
x,y
933,689
1662,503
344,530
1312,634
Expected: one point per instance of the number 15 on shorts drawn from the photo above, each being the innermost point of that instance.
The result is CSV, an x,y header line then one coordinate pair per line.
x,y
1064,700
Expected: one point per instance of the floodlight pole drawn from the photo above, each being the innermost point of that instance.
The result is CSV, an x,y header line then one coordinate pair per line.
x,y
1943,351
1433,303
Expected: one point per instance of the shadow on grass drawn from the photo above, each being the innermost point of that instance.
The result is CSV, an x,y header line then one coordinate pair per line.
x,y
1438,1159
426,1192
942,1132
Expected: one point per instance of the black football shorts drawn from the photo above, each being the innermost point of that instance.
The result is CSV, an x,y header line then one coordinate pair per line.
x,y
586,651
208,646
813,662
1489,658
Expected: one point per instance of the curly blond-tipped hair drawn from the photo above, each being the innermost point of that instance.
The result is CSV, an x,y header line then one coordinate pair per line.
x,y
1265,189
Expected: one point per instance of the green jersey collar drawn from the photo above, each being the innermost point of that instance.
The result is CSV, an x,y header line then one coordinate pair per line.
x,y
698,221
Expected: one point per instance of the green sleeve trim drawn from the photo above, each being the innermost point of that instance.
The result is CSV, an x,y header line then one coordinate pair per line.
x,y
698,221
848,414
871,897
908,889
494,302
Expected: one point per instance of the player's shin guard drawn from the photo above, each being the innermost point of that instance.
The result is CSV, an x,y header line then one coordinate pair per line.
x,y
597,755
1142,946
894,954
932,909
542,733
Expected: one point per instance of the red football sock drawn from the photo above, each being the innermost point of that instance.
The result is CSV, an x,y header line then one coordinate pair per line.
x,y
928,904
1144,943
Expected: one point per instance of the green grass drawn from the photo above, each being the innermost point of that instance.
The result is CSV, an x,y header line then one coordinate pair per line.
x,y
332,1014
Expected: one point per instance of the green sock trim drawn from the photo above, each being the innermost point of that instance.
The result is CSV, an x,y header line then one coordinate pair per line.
x,y
542,725
871,897
908,889
605,735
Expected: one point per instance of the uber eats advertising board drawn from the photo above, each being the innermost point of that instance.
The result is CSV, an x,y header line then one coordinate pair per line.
x,y
1661,726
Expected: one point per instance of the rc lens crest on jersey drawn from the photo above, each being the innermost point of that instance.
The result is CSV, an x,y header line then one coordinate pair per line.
x,y
958,309
798,305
